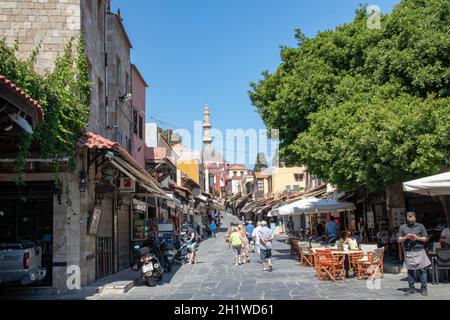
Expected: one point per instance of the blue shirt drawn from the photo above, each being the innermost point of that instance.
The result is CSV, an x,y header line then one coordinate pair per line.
x,y
249,229
332,229
212,226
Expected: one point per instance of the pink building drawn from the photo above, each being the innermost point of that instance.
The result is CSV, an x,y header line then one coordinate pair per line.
x,y
138,139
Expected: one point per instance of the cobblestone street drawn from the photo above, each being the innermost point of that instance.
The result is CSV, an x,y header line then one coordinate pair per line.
x,y
216,277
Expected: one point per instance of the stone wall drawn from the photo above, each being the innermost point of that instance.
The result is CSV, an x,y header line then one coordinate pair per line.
x,y
50,24
119,82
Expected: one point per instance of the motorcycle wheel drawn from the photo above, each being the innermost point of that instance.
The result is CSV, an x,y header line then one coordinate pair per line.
x,y
151,281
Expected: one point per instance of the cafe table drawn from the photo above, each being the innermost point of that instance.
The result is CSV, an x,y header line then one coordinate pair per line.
x,y
349,255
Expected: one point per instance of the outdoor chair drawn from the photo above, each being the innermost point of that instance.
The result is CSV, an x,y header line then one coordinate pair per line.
x,y
440,262
302,247
368,264
329,265
294,247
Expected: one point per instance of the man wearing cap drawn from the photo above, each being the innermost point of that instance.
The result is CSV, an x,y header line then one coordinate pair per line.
x,y
413,235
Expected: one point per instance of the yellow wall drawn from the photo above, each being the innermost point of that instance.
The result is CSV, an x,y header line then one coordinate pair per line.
x,y
190,168
285,176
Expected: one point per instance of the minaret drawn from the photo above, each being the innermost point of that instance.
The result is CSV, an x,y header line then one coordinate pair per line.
x,y
207,140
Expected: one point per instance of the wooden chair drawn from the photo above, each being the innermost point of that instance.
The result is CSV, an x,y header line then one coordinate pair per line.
x,y
368,264
329,266
294,247
301,247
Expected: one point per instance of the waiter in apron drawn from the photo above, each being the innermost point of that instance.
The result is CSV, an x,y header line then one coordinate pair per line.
x,y
413,235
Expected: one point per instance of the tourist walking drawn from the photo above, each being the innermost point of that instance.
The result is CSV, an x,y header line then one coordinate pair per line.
x,y
212,227
245,244
236,244
255,236
265,236
249,230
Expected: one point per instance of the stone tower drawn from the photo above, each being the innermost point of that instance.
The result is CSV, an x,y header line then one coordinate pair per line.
x,y
207,141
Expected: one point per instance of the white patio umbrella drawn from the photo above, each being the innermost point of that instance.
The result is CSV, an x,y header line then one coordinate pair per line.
x,y
312,205
437,185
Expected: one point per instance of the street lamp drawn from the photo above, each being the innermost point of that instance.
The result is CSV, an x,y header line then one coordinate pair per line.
x,y
82,181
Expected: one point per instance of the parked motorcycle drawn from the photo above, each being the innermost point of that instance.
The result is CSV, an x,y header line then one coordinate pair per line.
x,y
149,265
181,253
167,253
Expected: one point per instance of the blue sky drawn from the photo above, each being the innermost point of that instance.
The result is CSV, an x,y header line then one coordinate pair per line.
x,y
190,50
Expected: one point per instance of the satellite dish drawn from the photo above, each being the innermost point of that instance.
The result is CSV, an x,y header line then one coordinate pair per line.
x,y
21,122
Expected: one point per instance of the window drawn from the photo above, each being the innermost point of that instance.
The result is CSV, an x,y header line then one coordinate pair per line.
x,y
299,176
99,15
101,99
119,136
127,143
118,69
141,127
288,188
296,187
235,173
135,122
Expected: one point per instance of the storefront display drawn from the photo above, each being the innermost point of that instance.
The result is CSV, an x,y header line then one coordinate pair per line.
x,y
140,227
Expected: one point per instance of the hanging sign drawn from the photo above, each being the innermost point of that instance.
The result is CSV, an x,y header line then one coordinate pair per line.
x,y
95,220
139,205
127,185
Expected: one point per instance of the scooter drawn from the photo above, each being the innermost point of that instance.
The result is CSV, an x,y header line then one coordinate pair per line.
x,y
149,265
168,255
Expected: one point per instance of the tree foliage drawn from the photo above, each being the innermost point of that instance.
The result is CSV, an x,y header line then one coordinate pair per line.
x,y
64,95
362,106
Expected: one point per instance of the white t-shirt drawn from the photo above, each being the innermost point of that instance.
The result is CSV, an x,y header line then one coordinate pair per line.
x,y
446,234
255,233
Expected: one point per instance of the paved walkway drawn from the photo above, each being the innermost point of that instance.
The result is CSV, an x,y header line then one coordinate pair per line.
x,y
216,277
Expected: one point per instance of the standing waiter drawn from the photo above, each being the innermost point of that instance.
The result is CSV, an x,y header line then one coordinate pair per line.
x,y
413,235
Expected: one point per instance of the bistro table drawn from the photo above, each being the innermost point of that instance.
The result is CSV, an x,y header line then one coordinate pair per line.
x,y
348,254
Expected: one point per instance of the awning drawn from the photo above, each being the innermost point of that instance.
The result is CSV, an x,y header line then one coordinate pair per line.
x,y
437,185
121,159
202,198
312,205
173,202
145,181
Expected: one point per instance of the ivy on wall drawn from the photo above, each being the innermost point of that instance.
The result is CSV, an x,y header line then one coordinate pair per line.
x,y
64,96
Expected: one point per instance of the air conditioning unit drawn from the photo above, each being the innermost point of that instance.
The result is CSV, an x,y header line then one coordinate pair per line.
x,y
288,188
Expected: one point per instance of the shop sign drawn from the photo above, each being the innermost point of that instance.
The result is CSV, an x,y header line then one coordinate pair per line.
x,y
127,185
139,205
95,220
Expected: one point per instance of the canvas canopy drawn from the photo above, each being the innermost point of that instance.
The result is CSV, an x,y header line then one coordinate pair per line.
x,y
437,185
312,205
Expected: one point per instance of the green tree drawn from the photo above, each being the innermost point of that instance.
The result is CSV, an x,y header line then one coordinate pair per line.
x,y
365,107
63,94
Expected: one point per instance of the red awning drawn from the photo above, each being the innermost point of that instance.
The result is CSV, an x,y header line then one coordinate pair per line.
x,y
19,93
94,141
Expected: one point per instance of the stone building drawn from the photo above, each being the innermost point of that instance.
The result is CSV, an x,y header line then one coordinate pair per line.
x,y
93,232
